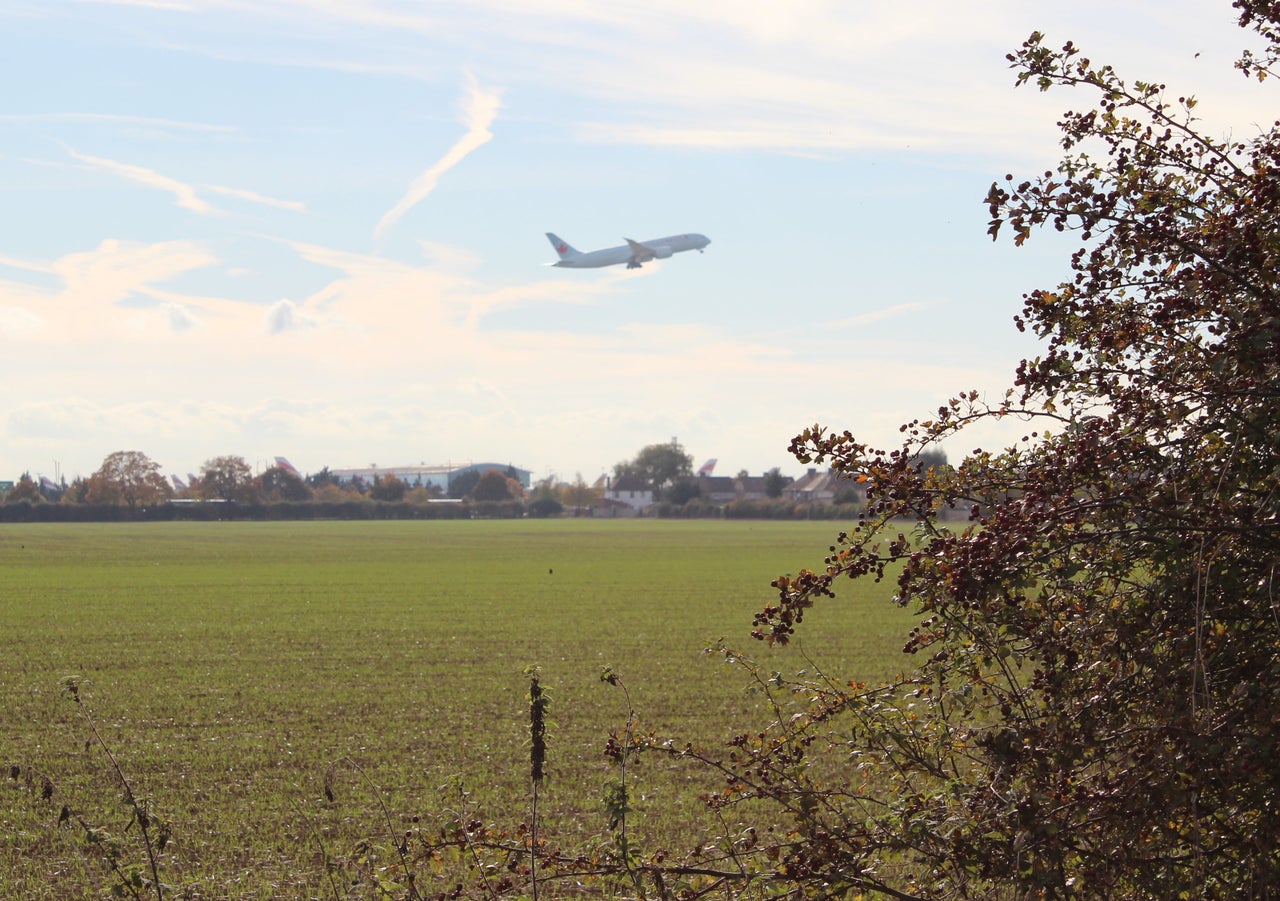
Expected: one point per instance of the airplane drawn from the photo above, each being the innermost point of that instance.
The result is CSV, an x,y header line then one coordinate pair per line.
x,y
633,253
708,467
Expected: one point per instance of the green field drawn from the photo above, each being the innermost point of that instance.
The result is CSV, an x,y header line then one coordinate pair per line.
x,y
229,665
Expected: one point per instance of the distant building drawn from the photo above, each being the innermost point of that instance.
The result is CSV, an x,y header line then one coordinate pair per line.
x,y
816,487
631,492
423,476
726,489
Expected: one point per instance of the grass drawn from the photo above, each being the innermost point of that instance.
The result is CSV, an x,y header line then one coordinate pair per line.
x,y
229,665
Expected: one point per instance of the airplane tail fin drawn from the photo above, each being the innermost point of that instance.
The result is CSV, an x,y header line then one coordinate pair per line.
x,y
563,249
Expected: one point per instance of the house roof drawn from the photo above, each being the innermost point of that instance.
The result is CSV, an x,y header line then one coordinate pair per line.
x,y
630,483
814,482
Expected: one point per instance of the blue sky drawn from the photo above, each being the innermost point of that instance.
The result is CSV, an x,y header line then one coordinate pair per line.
x,y
314,228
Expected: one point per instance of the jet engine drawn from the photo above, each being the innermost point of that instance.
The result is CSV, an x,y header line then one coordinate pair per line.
x,y
661,252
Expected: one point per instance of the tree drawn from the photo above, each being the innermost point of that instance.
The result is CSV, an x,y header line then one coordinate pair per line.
x,y
544,505
225,477
578,494
388,488
335,493
492,486
279,484
681,491
1094,710
423,494
932,456
658,464
463,483
77,492
514,486
774,482
322,478
130,478
25,489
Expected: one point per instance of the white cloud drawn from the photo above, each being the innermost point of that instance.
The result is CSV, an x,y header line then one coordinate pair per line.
x,y
180,318
254,197
185,195
804,76
26,265
479,109
116,270
284,316
71,418
901,309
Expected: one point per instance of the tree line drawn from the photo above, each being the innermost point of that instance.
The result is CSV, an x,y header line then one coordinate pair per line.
x,y
129,485
132,480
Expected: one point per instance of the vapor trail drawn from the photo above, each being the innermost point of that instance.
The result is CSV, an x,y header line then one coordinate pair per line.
x,y
479,109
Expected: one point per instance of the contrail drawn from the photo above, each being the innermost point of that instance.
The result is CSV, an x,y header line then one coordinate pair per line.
x,y
184,194
479,109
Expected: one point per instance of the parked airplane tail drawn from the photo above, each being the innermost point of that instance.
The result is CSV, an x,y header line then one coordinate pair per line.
x,y
708,467
287,466
564,250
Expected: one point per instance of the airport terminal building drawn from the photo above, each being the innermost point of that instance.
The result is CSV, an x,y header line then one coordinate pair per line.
x,y
425,476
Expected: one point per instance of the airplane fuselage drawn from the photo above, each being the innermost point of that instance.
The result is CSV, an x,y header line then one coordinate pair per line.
x,y
633,253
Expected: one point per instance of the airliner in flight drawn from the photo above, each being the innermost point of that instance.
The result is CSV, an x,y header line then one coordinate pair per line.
x,y
633,253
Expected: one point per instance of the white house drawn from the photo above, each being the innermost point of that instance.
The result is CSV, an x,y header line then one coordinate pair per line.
x,y
632,491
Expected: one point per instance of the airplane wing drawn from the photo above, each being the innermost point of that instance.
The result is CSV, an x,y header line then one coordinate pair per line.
x,y
640,253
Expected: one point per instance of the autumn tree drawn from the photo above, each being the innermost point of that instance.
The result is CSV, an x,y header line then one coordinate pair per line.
x,y
423,494
514,486
578,494
130,478
336,493
1093,713
225,478
77,492
25,489
388,488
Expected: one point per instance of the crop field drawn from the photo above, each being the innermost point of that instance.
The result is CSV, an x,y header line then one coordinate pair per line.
x,y
271,688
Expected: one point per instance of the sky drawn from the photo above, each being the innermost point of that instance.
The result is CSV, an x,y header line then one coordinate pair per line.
x,y
315,228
